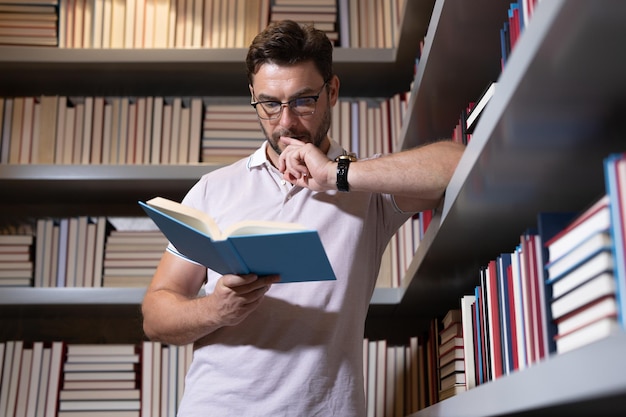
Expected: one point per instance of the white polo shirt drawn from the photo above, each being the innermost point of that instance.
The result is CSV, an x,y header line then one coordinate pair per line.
x,y
300,353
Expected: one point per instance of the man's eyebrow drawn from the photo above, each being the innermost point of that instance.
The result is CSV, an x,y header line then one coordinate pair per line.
x,y
306,91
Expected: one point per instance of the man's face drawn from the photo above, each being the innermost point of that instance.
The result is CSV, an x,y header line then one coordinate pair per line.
x,y
284,83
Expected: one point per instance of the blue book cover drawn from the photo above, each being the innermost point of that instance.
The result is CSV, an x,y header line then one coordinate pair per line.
x,y
296,254
549,224
480,378
615,186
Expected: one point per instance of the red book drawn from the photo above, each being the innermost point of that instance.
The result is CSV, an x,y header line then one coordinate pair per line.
x,y
539,293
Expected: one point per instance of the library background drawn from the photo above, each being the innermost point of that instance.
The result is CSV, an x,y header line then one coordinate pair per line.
x,y
509,300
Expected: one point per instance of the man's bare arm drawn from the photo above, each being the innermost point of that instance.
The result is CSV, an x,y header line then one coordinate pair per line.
x,y
416,177
173,313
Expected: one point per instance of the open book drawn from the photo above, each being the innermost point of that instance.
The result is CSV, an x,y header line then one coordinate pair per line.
x,y
260,247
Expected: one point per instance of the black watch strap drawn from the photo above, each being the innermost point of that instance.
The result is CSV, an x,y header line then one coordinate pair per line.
x,y
343,164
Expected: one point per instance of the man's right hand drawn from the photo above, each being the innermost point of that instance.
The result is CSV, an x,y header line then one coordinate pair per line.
x,y
236,296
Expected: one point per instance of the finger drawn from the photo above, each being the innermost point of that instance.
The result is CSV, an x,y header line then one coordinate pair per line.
x,y
234,281
295,167
271,279
287,140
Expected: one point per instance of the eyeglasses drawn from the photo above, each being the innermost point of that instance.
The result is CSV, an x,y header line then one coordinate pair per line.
x,y
300,106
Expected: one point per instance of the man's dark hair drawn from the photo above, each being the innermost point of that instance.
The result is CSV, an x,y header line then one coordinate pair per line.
x,y
287,43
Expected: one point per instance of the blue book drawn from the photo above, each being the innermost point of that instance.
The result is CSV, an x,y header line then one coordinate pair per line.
x,y
615,180
551,224
480,377
259,247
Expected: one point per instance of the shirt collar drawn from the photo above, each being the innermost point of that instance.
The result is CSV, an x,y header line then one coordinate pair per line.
x,y
259,157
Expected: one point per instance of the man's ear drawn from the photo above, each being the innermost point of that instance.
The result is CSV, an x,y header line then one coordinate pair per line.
x,y
334,90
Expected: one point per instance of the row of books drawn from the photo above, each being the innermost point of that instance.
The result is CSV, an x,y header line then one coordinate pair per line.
x,y
86,251
169,130
519,14
369,126
431,367
464,129
191,23
440,372
560,289
59,379
82,251
364,126
133,23
69,252
391,377
370,24
399,254
99,130
147,379
29,22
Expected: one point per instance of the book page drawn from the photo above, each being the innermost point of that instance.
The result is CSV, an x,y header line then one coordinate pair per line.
x,y
204,223
188,215
252,227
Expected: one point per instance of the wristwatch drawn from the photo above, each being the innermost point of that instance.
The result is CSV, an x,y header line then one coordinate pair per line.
x,y
343,163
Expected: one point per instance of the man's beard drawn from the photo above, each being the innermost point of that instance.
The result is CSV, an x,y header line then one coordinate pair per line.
x,y
316,139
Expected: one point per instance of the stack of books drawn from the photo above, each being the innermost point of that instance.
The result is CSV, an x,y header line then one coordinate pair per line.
x,y
322,14
231,131
581,276
29,22
16,263
131,257
451,355
100,378
468,306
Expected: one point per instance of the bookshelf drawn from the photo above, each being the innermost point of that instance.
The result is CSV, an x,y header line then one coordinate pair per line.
x,y
548,127
538,147
554,117
69,190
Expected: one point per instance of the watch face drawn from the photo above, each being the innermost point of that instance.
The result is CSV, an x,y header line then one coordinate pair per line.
x,y
349,157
